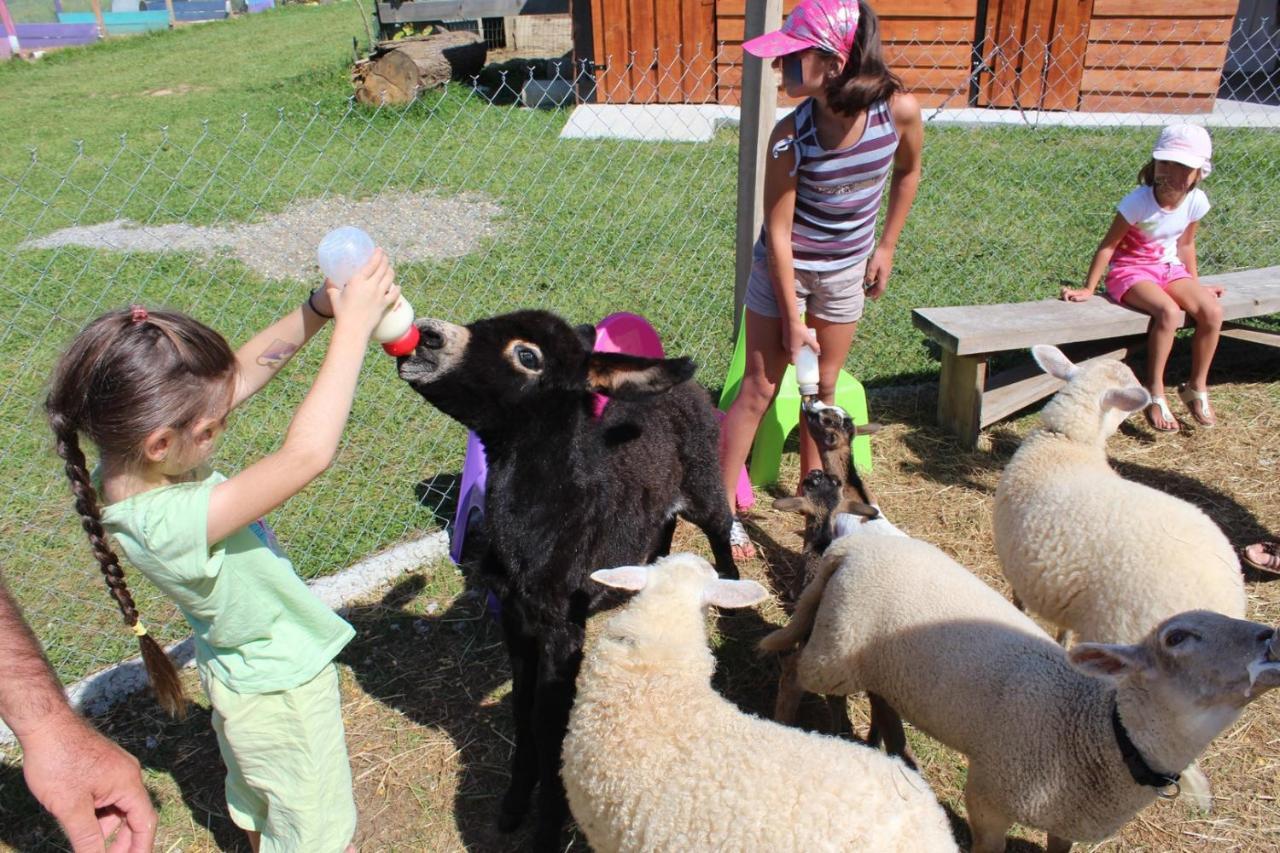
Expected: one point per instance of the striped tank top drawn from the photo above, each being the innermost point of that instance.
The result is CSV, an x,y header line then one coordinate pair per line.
x,y
838,192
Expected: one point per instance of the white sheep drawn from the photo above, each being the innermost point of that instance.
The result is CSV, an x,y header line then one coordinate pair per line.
x,y
1046,733
1087,550
656,760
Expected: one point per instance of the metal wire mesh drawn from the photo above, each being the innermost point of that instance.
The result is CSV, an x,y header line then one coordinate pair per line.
x,y
620,204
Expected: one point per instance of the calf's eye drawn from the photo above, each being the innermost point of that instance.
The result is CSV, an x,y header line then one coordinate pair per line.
x,y
528,358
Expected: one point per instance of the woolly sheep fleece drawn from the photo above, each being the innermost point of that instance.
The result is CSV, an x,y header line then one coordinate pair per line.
x,y
1088,550
655,760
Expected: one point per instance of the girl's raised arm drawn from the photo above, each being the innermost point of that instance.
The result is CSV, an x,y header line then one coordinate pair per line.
x,y
312,438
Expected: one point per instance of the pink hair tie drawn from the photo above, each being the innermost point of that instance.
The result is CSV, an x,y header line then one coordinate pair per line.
x,y
138,314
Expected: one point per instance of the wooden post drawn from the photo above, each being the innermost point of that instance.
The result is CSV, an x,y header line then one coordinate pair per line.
x,y
758,109
97,14
10,30
173,19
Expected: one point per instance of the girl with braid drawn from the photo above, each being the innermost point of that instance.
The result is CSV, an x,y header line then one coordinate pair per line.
x,y
151,390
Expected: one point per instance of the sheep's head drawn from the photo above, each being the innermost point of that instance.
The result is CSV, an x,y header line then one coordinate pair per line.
x,y
1098,397
1202,666
516,367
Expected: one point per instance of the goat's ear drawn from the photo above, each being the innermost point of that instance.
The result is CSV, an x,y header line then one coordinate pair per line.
x,y
802,505
1114,663
868,429
1053,362
633,578
587,334
1131,399
727,593
631,377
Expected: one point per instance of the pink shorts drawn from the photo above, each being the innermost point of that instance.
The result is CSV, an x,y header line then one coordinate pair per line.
x,y
1120,279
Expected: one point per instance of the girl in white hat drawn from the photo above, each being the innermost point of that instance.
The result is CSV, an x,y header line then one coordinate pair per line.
x,y
1151,250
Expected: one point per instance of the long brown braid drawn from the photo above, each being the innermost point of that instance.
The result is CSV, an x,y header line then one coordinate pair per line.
x,y
127,374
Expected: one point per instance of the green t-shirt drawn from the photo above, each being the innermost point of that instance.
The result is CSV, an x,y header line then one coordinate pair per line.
x,y
257,627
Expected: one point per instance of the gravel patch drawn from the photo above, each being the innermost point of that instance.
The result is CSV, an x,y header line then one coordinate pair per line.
x,y
410,226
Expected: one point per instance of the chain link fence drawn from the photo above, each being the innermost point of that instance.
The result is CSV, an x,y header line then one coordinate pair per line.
x,y
486,206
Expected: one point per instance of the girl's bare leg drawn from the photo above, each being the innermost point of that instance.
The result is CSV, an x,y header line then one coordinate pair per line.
x,y
1147,297
1202,306
835,340
765,364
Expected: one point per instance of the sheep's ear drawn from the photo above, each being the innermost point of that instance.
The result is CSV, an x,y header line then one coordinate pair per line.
x,y
1115,663
1053,362
801,505
1131,399
634,578
727,593
631,377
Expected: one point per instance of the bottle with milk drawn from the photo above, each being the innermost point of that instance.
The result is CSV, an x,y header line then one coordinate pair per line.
x,y
342,253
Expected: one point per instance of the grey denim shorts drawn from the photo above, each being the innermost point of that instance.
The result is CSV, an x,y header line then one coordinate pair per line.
x,y
834,295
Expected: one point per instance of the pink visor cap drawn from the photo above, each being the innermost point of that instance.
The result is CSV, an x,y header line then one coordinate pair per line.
x,y
1187,144
828,25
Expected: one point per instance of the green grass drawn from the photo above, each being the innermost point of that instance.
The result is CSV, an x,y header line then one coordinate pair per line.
x,y
232,121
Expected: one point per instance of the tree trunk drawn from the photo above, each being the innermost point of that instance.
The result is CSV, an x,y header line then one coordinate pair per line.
x,y
397,71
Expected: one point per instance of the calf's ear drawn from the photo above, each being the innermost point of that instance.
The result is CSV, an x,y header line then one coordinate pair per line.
x,y
587,334
631,377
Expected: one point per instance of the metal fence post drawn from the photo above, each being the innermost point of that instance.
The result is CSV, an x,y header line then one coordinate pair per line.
x,y
759,105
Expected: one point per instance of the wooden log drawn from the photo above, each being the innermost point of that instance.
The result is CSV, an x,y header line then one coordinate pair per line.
x,y
398,70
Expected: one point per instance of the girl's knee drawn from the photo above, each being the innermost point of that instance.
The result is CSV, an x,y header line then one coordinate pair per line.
x,y
1166,318
756,395
1209,316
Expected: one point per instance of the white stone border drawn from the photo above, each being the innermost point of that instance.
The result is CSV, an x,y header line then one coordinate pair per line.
x,y
96,693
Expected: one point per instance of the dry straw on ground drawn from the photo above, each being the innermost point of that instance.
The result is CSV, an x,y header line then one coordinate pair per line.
x,y
426,688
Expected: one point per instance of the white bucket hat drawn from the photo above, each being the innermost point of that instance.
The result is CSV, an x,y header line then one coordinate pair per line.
x,y
1188,144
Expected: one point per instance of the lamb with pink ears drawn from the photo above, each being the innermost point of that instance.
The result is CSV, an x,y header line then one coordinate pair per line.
x,y
655,759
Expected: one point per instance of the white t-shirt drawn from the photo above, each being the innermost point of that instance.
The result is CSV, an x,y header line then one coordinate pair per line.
x,y
1153,234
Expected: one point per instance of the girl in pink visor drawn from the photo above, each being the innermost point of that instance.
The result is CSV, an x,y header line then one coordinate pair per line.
x,y
818,254
1151,249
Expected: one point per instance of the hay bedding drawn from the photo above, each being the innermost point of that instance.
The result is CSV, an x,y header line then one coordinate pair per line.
x,y
425,683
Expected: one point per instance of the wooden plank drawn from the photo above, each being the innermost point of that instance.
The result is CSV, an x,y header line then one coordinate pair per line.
x,y
1107,80
926,9
612,22
925,30
642,62
960,387
1127,30
1166,8
1067,54
699,27
1142,55
977,329
446,10
40,36
935,79
670,47
928,55
1004,53
1018,387
1091,102
1255,336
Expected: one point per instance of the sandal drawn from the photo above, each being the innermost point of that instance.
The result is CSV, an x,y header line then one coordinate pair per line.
x,y
1265,559
1203,413
1163,406
740,542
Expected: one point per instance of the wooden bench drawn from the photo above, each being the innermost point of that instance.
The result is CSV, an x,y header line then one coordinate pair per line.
x,y
969,399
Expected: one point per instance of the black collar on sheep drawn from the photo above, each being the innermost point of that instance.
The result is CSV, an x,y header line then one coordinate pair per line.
x,y
1139,769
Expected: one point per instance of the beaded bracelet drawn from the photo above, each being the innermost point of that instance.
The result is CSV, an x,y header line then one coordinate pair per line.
x,y
312,305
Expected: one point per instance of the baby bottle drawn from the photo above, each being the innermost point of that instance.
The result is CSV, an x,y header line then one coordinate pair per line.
x,y
342,253
807,373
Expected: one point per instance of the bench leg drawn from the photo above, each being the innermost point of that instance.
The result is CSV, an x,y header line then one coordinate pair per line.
x,y
960,389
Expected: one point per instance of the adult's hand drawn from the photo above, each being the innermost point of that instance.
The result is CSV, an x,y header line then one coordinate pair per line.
x,y
89,784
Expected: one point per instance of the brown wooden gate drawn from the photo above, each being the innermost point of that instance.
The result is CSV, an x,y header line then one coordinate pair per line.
x,y
654,51
1034,51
